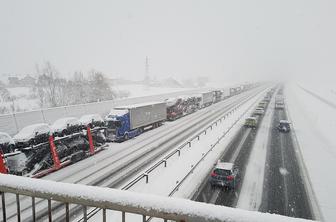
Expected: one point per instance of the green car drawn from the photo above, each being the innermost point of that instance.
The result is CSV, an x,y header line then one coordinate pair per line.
x,y
251,122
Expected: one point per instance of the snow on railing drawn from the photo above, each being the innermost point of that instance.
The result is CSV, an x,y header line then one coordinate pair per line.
x,y
124,201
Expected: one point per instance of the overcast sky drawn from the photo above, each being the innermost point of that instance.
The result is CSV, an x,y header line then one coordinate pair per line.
x,y
229,40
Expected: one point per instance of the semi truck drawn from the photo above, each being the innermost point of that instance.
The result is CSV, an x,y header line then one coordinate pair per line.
x,y
126,122
206,99
279,102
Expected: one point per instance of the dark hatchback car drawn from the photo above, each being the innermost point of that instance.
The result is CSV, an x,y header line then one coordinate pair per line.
x,y
224,175
284,126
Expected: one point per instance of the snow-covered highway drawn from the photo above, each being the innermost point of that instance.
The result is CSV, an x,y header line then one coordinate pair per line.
x,y
121,161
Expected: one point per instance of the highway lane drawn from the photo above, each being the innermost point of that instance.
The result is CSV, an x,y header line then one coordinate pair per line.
x,y
284,188
238,153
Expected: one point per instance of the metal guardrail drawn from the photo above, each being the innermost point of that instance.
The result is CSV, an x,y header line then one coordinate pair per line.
x,y
126,202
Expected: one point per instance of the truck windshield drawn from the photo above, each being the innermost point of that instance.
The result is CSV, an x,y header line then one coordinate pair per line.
x,y
113,124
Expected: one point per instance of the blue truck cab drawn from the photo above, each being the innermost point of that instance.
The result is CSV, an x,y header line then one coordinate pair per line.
x,y
119,126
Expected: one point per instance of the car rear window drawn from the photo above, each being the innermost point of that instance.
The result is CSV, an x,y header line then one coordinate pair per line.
x,y
222,172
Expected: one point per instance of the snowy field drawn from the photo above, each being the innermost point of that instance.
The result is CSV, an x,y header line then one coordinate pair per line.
x,y
23,101
314,121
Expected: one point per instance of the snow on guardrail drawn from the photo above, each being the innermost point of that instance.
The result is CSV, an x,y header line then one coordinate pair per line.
x,y
129,202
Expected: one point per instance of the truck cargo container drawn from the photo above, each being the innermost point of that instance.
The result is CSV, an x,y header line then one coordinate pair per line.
x,y
127,122
226,93
207,99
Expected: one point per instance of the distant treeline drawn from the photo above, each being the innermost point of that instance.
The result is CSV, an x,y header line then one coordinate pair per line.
x,y
53,91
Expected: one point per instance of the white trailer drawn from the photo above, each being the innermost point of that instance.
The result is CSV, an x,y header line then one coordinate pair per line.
x,y
145,114
207,99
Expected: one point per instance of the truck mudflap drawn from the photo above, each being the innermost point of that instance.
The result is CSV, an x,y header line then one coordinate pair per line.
x,y
3,168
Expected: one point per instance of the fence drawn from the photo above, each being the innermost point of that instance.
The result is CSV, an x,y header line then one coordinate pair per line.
x,y
13,123
122,201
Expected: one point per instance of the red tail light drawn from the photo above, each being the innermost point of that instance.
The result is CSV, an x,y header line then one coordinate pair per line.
x,y
229,177
213,174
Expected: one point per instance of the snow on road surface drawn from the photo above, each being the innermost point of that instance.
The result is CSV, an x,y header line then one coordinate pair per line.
x,y
314,121
251,191
164,179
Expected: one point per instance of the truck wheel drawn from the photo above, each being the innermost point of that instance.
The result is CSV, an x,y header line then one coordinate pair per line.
x,y
11,148
126,136
64,133
31,142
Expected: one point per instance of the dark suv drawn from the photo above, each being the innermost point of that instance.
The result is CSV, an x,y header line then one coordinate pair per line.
x,y
224,175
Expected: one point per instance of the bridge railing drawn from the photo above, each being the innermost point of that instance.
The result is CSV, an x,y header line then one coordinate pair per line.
x,y
122,201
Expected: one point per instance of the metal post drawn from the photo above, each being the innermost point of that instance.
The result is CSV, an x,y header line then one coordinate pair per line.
x,y
84,213
104,215
146,175
49,210
198,137
165,162
44,119
16,124
143,218
67,212
123,217
4,217
33,209
179,152
189,144
18,207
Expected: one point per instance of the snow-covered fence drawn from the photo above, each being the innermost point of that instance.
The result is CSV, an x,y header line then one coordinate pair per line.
x,y
124,201
13,123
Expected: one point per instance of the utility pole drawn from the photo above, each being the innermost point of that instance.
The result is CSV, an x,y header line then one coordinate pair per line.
x,y
147,70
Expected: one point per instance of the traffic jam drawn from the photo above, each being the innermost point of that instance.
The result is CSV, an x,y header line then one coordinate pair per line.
x,y
40,149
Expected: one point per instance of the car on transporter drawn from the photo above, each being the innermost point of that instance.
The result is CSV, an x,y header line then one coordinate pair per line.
x,y
92,121
66,126
7,144
224,175
32,135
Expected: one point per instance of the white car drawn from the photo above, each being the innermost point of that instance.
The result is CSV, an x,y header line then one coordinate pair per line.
x,y
91,120
32,135
7,144
66,126
259,111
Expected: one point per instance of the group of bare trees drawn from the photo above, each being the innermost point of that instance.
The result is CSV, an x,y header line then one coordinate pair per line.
x,y
4,98
53,91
